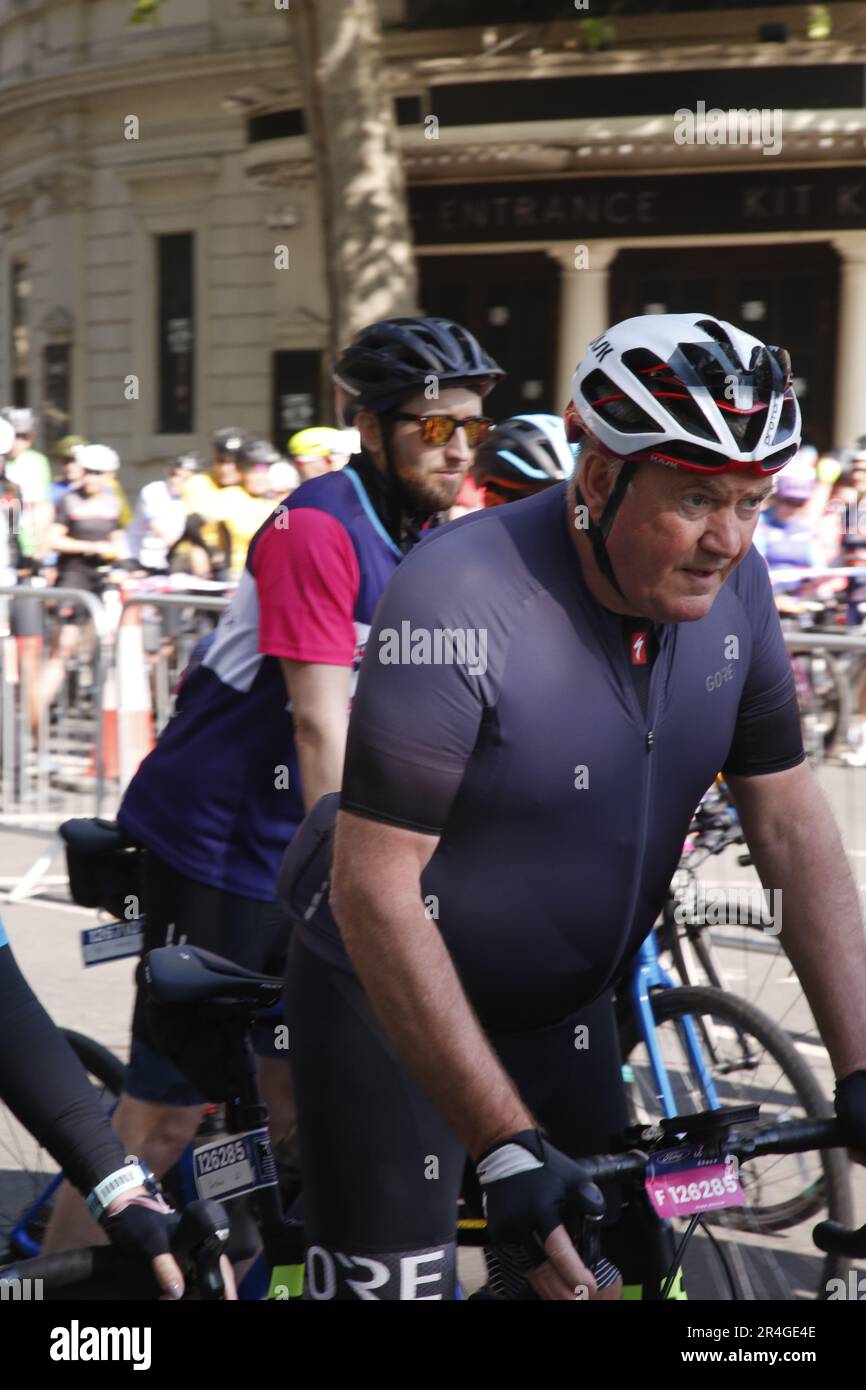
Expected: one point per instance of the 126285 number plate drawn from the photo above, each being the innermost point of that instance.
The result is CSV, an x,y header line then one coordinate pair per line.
x,y
682,1181
234,1164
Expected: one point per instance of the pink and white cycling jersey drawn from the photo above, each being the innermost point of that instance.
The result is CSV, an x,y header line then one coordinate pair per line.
x,y
219,797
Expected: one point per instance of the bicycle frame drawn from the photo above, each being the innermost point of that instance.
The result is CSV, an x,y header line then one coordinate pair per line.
x,y
647,974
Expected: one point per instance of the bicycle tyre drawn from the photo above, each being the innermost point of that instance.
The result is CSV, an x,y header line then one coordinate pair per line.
x,y
107,1071
831,1195
100,1062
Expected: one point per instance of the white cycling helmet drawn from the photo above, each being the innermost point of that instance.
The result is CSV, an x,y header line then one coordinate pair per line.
x,y
97,458
690,391
685,390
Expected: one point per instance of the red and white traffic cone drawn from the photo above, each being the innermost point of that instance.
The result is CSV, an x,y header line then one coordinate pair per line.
x,y
110,758
135,710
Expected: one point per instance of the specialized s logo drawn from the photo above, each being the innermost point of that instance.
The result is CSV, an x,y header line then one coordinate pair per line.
x,y
638,648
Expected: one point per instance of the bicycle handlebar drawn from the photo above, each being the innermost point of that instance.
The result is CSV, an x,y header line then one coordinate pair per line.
x,y
105,1273
794,1136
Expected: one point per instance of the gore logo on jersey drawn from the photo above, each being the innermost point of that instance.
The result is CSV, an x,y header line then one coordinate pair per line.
x,y
638,648
418,1276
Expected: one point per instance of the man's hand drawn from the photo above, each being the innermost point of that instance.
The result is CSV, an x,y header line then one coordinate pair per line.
x,y
528,1187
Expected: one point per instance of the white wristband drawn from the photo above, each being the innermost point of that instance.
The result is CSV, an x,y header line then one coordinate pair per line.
x,y
120,1181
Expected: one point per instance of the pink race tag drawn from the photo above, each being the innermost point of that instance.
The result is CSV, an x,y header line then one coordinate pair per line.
x,y
680,1189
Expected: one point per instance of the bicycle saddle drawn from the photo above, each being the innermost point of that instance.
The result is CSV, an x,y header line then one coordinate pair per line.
x,y
90,835
191,975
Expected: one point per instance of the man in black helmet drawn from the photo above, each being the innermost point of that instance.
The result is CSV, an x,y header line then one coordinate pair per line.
x,y
237,767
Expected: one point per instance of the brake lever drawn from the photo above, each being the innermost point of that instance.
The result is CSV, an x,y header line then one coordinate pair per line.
x,y
199,1241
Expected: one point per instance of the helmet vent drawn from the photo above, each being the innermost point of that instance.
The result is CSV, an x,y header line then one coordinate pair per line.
x,y
609,401
659,378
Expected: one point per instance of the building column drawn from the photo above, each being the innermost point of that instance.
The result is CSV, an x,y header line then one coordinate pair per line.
x,y
850,414
584,311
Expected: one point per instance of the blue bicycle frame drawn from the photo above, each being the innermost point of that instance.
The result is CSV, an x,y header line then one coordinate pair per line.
x,y
647,974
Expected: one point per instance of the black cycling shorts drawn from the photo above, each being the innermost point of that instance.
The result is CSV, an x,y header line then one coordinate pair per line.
x,y
251,933
382,1169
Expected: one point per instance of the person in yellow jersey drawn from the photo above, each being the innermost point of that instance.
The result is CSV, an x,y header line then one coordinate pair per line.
x,y
318,450
208,496
248,507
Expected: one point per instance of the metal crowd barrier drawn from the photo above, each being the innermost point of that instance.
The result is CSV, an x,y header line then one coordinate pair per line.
x,y
82,698
51,706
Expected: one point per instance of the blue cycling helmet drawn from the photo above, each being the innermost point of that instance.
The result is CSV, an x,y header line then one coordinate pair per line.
x,y
394,358
522,455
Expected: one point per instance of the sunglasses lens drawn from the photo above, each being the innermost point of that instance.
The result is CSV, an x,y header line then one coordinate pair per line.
x,y
475,431
437,429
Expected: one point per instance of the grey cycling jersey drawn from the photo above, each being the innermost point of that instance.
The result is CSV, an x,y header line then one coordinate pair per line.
x,y
496,709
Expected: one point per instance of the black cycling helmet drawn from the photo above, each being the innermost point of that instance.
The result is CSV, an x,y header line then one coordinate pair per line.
x,y
521,455
392,359
230,442
257,453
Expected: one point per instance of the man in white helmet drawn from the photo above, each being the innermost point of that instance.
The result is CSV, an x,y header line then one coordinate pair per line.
x,y
511,817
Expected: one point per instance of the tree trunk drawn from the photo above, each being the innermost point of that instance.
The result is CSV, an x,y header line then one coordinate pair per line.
x,y
370,261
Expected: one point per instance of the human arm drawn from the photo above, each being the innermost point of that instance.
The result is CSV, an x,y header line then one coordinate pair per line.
x,y
320,714
795,843
46,1088
60,540
306,575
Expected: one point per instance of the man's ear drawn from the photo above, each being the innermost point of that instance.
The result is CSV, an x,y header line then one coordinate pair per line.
x,y
369,427
596,481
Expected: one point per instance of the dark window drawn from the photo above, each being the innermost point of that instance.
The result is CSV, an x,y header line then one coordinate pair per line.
x,y
510,301
276,125
447,14
649,94
408,110
280,125
780,294
297,394
20,332
56,393
176,333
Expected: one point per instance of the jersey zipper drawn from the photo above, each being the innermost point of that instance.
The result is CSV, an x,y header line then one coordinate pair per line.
x,y
658,682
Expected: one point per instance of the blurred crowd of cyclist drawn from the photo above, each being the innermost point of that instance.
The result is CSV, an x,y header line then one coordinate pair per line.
x,y
76,528
199,517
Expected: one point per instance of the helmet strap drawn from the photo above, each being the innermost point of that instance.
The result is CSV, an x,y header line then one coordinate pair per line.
x,y
403,528
599,531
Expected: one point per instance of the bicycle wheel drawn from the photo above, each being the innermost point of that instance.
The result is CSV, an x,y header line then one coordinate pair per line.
x,y
750,1060
824,701
27,1171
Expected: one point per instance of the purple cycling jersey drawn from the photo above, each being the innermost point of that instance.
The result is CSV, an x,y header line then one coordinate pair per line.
x,y
496,710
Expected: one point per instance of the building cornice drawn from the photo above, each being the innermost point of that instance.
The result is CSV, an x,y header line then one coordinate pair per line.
x,y
419,60
615,145
269,66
